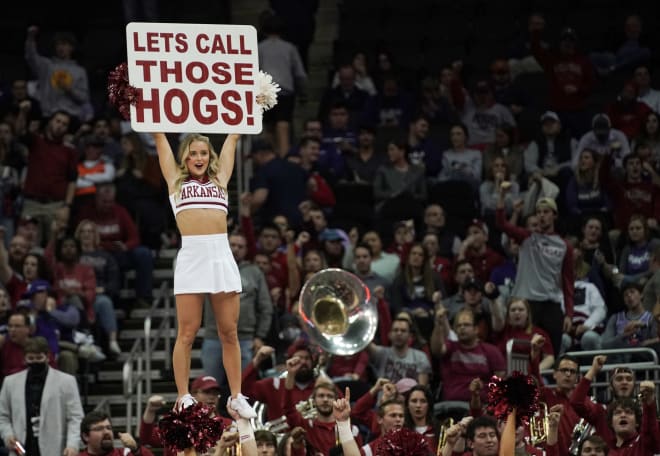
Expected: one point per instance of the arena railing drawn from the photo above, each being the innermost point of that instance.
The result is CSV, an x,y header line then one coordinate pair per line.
x,y
137,374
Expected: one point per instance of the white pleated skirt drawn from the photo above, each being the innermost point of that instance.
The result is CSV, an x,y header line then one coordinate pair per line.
x,y
205,264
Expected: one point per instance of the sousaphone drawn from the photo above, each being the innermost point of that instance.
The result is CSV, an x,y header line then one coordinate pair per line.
x,y
337,312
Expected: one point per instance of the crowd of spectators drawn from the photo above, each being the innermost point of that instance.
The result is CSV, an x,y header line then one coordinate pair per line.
x,y
470,227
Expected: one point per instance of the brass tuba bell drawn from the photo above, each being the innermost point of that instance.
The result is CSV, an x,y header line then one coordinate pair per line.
x,y
337,312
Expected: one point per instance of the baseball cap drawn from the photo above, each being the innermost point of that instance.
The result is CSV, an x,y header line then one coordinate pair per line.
x,y
405,384
550,115
330,234
37,286
473,284
205,383
479,224
299,345
547,202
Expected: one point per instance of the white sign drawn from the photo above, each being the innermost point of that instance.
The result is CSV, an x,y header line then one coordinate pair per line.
x,y
194,77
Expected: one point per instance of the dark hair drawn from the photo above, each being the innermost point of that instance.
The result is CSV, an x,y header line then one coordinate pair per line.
x,y
338,104
60,244
629,157
93,417
308,139
36,344
430,420
273,25
363,245
462,127
483,421
460,263
570,358
22,313
401,143
626,403
66,37
596,441
43,270
262,435
268,226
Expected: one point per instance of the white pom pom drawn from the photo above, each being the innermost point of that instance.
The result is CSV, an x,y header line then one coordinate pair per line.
x,y
267,91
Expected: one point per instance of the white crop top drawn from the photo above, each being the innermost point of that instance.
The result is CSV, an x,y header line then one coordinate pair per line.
x,y
197,194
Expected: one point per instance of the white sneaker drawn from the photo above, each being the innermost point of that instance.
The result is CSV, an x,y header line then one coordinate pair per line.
x,y
114,348
91,352
184,402
242,406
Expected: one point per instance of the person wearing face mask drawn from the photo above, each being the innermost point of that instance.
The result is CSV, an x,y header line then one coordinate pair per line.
x,y
40,406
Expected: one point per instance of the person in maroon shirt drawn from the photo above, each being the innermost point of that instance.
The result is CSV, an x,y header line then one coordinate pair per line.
x,y
565,374
630,195
571,77
205,389
96,432
120,236
627,113
270,391
16,282
321,430
12,358
622,384
634,423
52,169
475,249
518,325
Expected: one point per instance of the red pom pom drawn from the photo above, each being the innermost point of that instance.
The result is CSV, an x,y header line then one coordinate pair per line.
x,y
193,427
517,391
403,441
120,92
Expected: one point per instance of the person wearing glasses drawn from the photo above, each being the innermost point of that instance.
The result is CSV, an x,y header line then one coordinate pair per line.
x,y
565,373
40,407
97,434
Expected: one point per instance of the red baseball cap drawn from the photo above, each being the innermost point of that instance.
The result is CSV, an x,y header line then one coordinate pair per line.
x,y
205,383
299,345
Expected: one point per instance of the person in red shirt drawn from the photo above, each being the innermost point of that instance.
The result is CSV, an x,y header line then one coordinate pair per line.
x,y
205,389
518,325
270,391
630,195
96,432
571,77
622,385
48,189
321,430
119,236
627,113
634,423
565,374
475,249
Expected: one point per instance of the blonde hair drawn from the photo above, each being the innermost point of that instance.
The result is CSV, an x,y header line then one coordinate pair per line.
x,y
184,151
528,326
97,236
